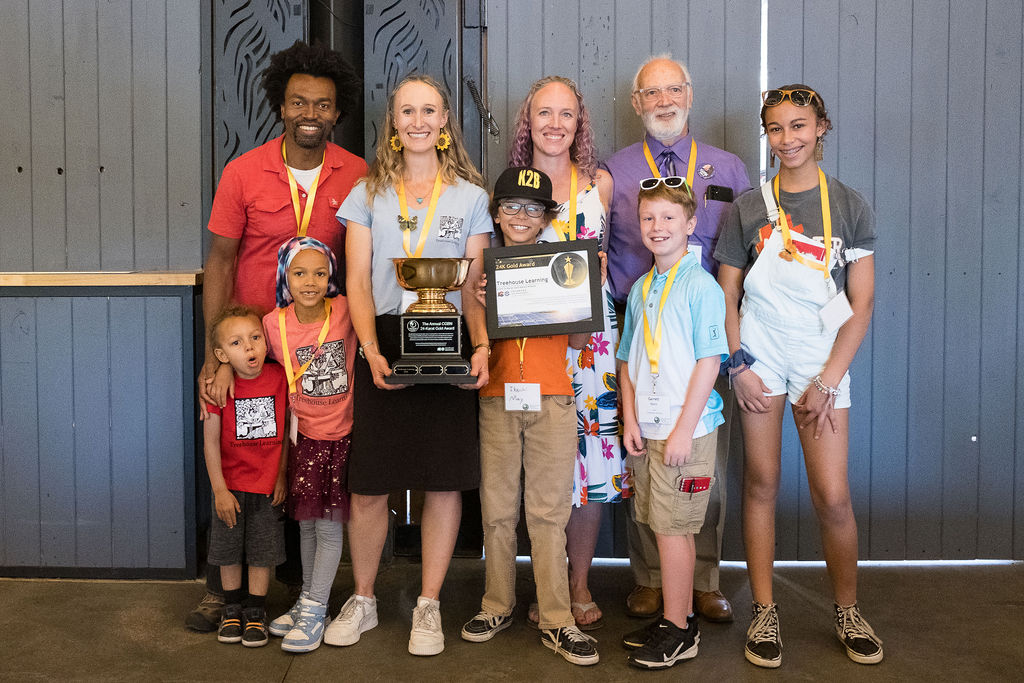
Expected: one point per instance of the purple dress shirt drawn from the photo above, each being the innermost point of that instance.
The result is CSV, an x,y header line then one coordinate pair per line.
x,y
628,258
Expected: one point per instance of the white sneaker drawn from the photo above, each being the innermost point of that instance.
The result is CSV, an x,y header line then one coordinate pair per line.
x,y
426,638
357,615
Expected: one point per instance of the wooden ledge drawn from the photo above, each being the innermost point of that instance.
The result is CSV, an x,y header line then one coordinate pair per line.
x,y
152,278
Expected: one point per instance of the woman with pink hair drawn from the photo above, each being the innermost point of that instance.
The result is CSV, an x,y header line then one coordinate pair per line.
x,y
553,134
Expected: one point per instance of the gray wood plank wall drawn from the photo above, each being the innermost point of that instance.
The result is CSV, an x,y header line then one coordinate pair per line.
x,y
103,137
92,466
926,100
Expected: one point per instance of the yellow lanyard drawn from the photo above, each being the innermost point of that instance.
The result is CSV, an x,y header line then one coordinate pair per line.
x,y
826,220
572,204
521,343
404,207
653,342
691,165
302,218
287,360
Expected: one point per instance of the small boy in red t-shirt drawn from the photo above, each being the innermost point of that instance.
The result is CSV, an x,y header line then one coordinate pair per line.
x,y
245,458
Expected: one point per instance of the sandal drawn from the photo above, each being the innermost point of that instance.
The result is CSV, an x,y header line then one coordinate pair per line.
x,y
583,608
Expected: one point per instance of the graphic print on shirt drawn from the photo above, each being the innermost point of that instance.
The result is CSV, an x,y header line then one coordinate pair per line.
x,y
327,375
809,247
255,418
449,229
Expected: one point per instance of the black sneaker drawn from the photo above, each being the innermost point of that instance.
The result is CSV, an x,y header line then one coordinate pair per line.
x,y
638,638
764,644
255,633
862,645
206,616
667,645
574,645
230,630
484,626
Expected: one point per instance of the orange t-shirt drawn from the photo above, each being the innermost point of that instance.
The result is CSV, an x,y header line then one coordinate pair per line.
x,y
544,363
323,394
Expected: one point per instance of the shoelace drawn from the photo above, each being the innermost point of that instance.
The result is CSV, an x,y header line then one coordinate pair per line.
x,y
427,618
348,611
491,620
765,627
574,635
853,624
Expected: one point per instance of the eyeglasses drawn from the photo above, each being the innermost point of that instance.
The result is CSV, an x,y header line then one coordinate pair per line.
x,y
801,97
513,208
669,181
675,92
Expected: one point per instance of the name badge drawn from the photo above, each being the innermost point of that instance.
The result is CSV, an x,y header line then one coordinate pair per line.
x,y
652,408
522,396
408,299
836,312
697,249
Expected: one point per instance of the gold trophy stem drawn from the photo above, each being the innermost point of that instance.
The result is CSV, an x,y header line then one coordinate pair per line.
x,y
431,300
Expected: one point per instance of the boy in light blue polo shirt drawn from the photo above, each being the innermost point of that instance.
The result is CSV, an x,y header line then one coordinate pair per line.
x,y
672,345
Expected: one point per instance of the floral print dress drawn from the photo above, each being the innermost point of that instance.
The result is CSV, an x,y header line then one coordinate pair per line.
x,y
600,469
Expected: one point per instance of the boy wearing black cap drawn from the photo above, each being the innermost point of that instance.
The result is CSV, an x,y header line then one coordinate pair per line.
x,y
531,438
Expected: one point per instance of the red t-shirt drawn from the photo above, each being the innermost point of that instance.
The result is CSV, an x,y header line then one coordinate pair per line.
x,y
252,429
254,204
323,394
544,363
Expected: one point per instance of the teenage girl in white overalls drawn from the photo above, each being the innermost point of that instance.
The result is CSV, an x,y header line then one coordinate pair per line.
x,y
798,256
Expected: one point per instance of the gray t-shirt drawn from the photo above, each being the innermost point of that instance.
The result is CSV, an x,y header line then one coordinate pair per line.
x,y
747,228
461,212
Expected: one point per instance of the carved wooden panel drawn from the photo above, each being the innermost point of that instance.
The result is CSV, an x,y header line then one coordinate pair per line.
x,y
245,34
402,37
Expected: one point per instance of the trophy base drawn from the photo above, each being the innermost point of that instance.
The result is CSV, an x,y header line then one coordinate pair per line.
x,y
439,370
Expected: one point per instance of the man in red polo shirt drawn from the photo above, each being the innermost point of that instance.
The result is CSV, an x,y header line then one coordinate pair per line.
x,y
263,199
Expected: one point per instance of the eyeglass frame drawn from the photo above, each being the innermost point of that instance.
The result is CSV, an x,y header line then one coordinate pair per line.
x,y
642,92
504,207
787,94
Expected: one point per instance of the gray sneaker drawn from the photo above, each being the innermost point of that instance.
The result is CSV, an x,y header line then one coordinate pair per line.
x,y
357,616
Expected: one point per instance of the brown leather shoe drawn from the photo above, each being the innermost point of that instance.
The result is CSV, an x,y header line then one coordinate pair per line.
x,y
712,606
644,602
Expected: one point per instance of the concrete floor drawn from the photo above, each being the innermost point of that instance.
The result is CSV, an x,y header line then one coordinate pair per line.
x,y
938,623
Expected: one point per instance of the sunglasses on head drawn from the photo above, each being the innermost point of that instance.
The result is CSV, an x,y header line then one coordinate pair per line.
x,y
669,181
801,97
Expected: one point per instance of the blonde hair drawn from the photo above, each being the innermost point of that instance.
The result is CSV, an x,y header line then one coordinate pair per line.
x,y
388,166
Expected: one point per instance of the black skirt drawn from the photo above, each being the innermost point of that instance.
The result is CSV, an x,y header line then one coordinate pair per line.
x,y
423,437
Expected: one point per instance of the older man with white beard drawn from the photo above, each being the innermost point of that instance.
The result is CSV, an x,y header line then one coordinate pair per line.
x,y
662,96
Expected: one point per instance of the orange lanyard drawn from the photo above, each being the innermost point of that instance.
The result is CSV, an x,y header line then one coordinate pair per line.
x,y
287,360
826,220
302,218
404,207
691,165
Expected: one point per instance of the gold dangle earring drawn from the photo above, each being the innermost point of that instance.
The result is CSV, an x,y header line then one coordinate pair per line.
x,y
395,142
819,150
444,140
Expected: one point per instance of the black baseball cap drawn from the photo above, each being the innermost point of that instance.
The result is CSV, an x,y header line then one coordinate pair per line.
x,y
525,182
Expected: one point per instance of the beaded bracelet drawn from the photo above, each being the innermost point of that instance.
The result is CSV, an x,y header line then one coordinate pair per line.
x,y
820,385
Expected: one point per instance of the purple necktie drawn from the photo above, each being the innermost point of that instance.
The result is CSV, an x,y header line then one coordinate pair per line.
x,y
668,165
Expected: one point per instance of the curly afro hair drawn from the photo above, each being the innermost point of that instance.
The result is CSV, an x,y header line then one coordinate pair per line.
x,y
314,60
